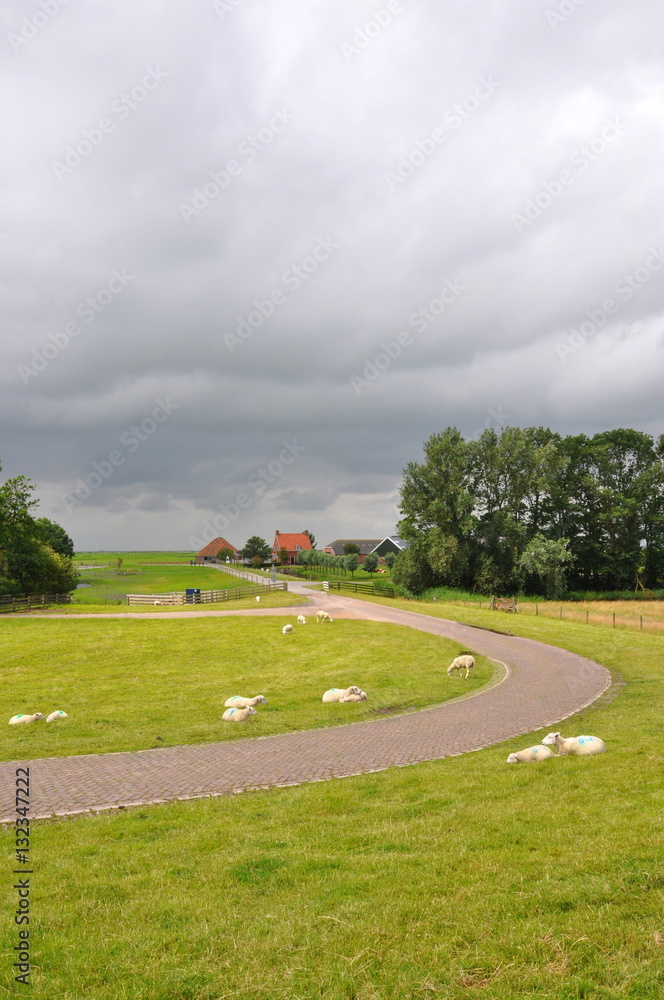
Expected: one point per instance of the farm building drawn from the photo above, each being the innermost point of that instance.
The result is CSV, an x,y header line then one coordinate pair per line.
x,y
212,549
292,543
365,545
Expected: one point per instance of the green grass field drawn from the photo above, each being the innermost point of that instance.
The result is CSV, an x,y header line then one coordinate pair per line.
x,y
123,683
462,878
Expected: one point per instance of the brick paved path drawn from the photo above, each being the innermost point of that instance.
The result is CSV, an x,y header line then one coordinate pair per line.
x,y
543,685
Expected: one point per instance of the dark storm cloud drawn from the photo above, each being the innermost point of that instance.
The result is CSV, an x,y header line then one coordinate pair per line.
x,y
339,228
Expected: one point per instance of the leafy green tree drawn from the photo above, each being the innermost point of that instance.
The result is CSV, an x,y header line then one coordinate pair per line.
x,y
390,558
351,549
370,563
256,546
351,562
412,569
546,558
225,553
311,538
55,536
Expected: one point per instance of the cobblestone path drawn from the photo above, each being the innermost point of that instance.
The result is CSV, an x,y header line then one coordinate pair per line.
x,y
542,686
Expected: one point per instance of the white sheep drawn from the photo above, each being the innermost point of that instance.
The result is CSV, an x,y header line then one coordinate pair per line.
x,y
258,600
56,715
19,719
336,694
362,696
238,702
465,662
155,603
287,629
238,714
530,753
575,746
322,616
301,620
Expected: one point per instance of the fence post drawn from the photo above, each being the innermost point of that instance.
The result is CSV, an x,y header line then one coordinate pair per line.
x,y
641,625
536,609
614,619
587,613
561,610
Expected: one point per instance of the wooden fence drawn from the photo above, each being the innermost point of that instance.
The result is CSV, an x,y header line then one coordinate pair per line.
x,y
29,602
362,588
205,596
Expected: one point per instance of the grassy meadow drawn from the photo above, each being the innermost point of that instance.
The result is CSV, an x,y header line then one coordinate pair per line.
x,y
140,683
458,879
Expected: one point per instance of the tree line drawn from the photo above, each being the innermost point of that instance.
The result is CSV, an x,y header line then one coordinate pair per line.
x,y
35,553
530,511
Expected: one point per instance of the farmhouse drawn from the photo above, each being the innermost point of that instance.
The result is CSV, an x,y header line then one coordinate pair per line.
x,y
365,545
391,544
212,549
293,544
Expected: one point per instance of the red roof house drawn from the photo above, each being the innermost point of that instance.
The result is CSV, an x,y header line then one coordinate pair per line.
x,y
293,545
209,553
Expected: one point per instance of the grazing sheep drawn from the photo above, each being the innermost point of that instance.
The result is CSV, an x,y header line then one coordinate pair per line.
x,y
238,714
258,600
336,694
238,702
322,616
56,715
19,719
155,603
531,753
465,662
575,746
287,629
362,696
301,620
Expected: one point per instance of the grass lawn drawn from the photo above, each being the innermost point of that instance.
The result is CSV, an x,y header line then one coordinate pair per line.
x,y
123,683
112,583
458,879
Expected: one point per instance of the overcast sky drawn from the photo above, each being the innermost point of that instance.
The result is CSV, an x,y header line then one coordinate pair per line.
x,y
255,252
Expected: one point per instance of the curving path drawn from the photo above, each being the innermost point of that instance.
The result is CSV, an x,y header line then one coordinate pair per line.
x,y
542,686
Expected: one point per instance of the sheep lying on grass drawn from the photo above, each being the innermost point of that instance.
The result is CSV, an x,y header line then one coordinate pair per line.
x,y
336,694
301,620
575,746
362,696
56,715
322,616
530,753
238,714
237,701
465,662
287,629
17,720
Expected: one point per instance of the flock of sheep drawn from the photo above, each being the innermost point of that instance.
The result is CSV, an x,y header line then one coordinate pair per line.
x,y
239,709
321,616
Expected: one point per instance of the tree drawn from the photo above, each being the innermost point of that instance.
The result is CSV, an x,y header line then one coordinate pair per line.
x,y
546,559
412,569
283,556
256,546
370,563
311,538
350,548
351,562
389,559
226,554
55,536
